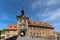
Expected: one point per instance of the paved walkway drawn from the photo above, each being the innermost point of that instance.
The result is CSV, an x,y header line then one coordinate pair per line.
x,y
28,38
2,39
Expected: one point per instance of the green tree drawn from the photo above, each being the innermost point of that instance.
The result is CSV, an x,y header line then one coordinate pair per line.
x,y
0,34
3,30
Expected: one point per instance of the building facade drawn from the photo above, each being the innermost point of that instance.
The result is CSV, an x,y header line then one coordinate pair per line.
x,y
26,27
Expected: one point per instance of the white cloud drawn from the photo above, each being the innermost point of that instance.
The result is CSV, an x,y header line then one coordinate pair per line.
x,y
35,4
38,4
47,15
56,24
51,2
53,15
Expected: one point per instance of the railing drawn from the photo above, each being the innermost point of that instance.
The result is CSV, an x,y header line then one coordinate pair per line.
x,y
12,38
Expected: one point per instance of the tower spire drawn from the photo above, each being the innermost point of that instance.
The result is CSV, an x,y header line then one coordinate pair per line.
x,y
22,11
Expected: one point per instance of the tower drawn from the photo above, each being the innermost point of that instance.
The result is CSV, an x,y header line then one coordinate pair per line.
x,y
22,23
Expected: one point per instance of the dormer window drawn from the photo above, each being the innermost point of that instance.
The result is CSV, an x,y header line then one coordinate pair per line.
x,y
15,26
10,26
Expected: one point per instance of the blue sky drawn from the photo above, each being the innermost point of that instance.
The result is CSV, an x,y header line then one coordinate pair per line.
x,y
37,10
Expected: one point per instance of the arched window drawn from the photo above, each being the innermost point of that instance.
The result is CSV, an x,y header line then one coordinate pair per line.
x,y
37,33
34,28
34,33
40,33
30,28
24,24
30,33
43,33
24,21
20,20
20,25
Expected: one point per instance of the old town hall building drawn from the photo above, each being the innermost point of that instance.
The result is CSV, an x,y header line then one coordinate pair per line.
x,y
26,27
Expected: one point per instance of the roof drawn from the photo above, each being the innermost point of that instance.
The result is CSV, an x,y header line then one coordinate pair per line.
x,y
39,24
22,16
12,27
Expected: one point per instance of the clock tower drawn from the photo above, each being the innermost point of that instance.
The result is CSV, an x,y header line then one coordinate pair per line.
x,y
22,23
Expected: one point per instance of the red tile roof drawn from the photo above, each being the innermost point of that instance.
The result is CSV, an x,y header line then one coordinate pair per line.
x,y
40,24
12,27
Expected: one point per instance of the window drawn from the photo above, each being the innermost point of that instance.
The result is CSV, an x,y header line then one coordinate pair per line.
x,y
30,28
34,28
43,33
8,35
24,21
20,20
40,33
41,28
15,26
30,33
34,33
24,26
8,31
10,26
38,28
20,26
42,23
37,33
13,34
